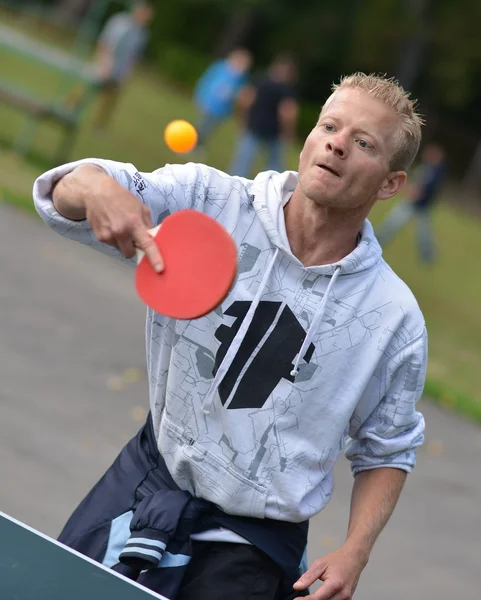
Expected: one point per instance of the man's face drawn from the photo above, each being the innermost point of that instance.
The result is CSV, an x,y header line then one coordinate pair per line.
x,y
433,154
345,160
144,14
241,59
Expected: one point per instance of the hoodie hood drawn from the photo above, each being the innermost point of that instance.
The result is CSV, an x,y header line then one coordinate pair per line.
x,y
271,191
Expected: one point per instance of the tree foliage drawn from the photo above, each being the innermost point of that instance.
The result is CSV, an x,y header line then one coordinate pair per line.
x,y
432,46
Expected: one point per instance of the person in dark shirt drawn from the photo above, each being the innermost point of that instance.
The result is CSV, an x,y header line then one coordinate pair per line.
x,y
269,111
420,199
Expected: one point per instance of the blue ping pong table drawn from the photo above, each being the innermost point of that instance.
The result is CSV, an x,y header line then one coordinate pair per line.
x,y
36,567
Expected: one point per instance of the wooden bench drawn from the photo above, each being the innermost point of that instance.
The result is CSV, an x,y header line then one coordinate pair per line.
x,y
40,109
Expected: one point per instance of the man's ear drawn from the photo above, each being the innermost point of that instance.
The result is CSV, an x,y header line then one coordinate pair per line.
x,y
393,183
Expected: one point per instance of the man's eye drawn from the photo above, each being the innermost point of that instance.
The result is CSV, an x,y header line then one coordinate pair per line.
x,y
329,127
363,144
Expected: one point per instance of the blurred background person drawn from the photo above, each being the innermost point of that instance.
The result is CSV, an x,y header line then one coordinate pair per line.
x,y
269,111
217,89
119,48
420,198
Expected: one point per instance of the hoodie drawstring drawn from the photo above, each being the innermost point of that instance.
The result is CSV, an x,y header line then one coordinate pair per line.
x,y
315,322
236,342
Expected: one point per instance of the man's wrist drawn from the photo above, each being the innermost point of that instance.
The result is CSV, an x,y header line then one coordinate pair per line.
x,y
358,548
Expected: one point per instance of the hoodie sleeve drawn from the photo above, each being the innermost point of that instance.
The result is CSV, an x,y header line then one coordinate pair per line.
x,y
166,190
390,434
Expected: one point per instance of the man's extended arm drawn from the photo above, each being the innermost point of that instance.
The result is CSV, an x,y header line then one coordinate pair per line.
x,y
104,60
374,496
245,99
107,40
382,450
116,216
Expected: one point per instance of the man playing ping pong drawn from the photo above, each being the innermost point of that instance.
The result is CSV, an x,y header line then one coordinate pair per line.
x,y
318,348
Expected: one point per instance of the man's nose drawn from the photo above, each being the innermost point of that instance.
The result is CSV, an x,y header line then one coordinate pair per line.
x,y
337,145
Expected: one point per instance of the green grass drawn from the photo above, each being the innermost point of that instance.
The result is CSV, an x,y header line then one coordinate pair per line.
x,y
452,400
447,292
18,200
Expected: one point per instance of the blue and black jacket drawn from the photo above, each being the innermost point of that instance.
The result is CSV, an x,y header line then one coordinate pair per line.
x,y
137,521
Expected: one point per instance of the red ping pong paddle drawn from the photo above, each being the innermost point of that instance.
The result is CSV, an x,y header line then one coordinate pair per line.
x,y
200,264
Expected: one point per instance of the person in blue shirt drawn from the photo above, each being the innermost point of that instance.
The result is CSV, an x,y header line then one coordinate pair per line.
x,y
420,199
217,89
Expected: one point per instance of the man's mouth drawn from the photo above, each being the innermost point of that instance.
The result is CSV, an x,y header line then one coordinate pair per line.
x,y
329,170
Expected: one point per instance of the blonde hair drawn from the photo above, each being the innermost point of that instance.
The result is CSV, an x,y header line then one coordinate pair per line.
x,y
389,91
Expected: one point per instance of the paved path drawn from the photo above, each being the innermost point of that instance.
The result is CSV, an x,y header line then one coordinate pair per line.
x,y
73,390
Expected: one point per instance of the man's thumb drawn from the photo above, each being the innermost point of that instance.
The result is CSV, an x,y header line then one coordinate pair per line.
x,y
304,581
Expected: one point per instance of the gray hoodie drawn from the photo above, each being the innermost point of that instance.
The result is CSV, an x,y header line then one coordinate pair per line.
x,y
253,403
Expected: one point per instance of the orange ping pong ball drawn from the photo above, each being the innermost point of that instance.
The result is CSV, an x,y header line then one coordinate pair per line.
x,y
180,136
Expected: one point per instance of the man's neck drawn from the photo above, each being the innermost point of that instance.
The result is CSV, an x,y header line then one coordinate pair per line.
x,y
319,235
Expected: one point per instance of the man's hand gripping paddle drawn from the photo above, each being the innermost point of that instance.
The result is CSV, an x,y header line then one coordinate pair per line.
x,y
200,264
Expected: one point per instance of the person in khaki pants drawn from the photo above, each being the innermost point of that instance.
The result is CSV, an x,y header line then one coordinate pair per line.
x,y
119,47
